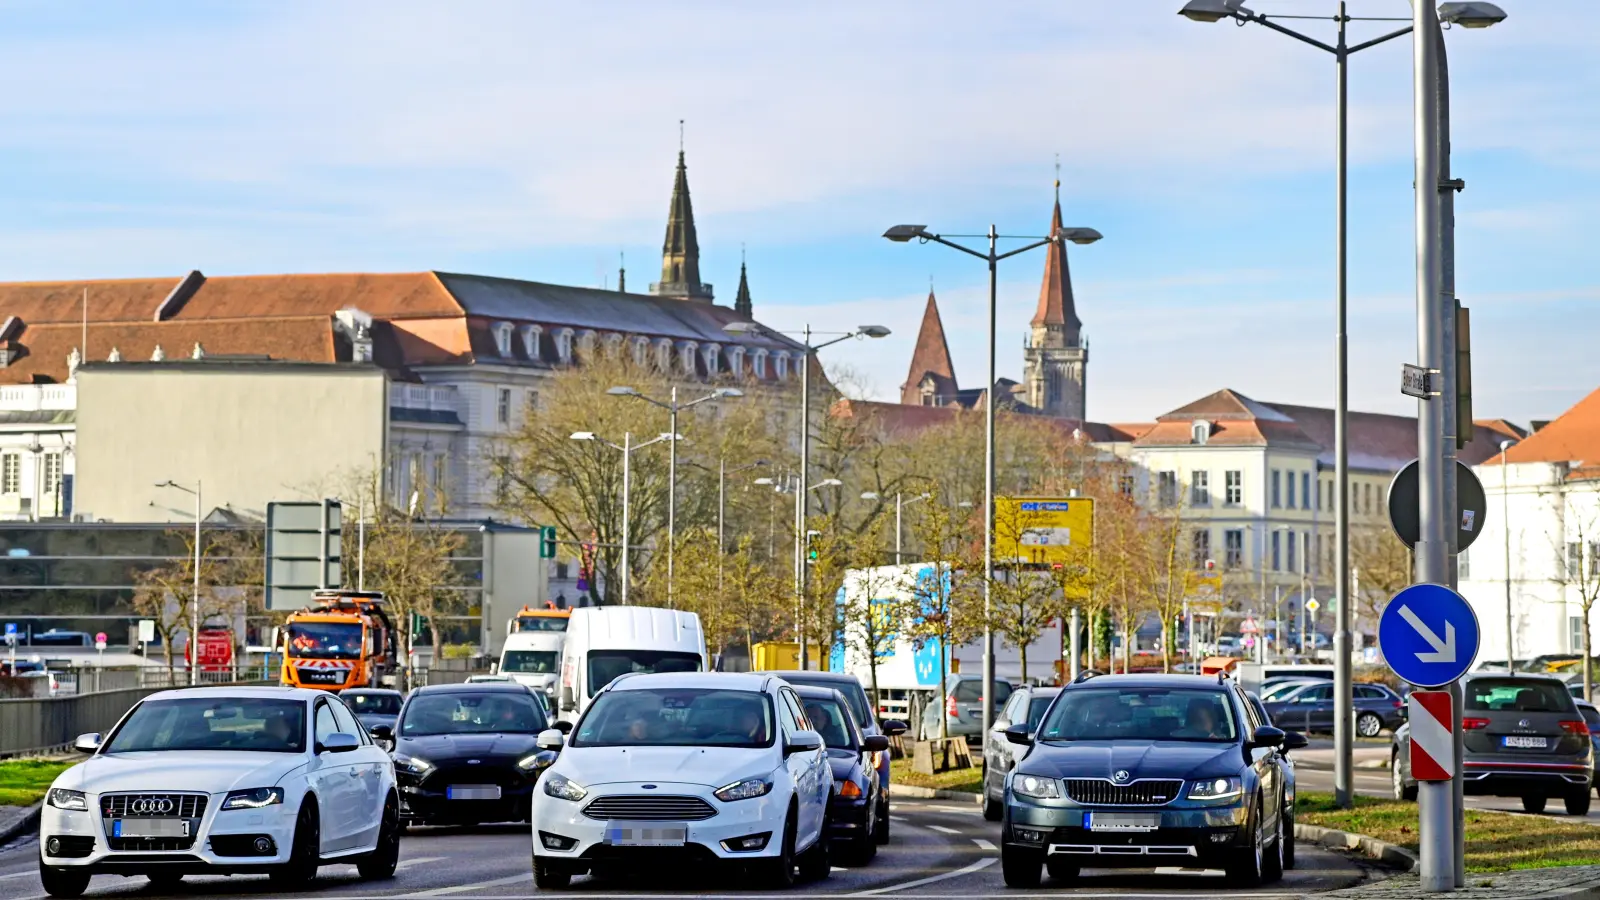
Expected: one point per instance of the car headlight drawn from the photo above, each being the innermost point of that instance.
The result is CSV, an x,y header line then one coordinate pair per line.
x,y
255,798
743,790
535,761
412,765
61,798
1215,789
1036,787
564,788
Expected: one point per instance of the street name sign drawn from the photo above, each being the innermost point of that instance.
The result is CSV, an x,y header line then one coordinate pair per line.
x,y
1415,381
1429,635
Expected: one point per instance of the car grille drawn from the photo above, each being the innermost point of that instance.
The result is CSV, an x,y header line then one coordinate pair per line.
x,y
153,806
1146,792
646,808
323,676
164,845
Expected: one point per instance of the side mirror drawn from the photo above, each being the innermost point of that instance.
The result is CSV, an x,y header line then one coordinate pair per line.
x,y
551,739
1020,735
87,743
563,727
875,743
382,732
802,742
1000,725
894,727
338,742
568,701
1294,740
1268,736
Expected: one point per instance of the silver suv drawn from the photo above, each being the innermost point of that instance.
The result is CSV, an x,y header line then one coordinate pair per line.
x,y
1524,737
963,707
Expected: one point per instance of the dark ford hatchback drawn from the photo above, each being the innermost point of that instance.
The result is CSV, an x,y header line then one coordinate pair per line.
x,y
1146,771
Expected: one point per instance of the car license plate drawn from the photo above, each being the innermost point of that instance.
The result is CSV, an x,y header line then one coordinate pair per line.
x,y
1523,742
632,834
472,792
149,828
1103,821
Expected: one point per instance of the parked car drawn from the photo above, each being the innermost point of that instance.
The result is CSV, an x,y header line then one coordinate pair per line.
x,y
1000,756
1273,688
857,802
963,707
1524,737
1292,740
1591,718
1310,707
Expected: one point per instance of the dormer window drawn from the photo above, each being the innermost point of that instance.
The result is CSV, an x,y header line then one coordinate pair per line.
x,y
502,339
736,361
586,342
782,358
1200,431
758,363
664,354
613,344
641,350
564,345
712,352
530,341
688,348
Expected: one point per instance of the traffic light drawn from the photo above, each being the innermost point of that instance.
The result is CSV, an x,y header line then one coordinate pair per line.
x,y
418,623
812,550
547,542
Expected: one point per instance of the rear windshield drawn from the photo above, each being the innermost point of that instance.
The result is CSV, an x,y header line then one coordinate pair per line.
x,y
852,691
1517,695
372,704
1591,716
971,691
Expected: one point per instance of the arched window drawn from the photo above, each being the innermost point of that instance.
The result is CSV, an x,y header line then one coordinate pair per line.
x,y
712,354
1200,431
758,363
664,354
502,339
736,362
564,345
688,348
530,341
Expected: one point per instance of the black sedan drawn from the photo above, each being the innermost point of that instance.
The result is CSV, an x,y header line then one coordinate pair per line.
x,y
468,753
856,796
1146,771
1310,708
374,706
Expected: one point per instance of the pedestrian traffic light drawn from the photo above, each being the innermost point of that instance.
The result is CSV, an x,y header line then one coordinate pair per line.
x,y
547,542
418,623
812,551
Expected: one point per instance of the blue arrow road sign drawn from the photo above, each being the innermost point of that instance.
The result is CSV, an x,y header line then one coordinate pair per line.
x,y
11,628
1429,635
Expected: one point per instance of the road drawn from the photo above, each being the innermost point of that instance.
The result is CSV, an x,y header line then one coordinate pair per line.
x,y
938,849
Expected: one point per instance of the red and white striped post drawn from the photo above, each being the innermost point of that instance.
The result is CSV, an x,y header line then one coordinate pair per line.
x,y
1432,744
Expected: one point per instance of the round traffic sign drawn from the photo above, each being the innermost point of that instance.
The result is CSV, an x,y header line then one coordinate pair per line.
x,y
1405,505
100,638
1429,635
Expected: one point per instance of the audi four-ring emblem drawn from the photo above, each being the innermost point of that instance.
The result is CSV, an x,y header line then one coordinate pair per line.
x,y
151,806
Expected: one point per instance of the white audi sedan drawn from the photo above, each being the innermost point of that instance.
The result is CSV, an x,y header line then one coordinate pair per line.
x,y
689,768
222,780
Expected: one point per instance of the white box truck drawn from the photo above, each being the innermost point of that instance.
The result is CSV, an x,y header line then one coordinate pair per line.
x,y
606,641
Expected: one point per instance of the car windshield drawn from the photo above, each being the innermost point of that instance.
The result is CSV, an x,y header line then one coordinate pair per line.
x,y
970,690
1036,708
852,691
372,704
677,717
1517,695
530,662
1140,714
325,640
829,720
542,623
460,712
606,665
213,723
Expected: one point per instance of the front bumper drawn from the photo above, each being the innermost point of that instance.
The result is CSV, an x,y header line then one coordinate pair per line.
x,y
428,801
1204,836
562,831
220,841
849,818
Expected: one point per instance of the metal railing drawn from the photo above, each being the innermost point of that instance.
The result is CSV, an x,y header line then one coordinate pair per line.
x,y
42,724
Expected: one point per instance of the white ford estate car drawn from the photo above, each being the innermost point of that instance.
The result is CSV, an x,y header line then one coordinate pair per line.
x,y
222,780
697,767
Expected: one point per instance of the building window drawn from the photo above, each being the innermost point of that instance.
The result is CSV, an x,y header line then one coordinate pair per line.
x,y
1575,634
1293,542
759,363
1200,431
1201,542
1233,548
1594,560
502,339
1463,566
1316,560
564,345
688,349
736,362
11,473
712,354
530,341
439,463
1277,489
664,355
52,472
1574,560
1319,493
502,409
1200,488
1305,490
563,570
1290,479
1166,488
532,401
1277,559
1234,480
641,351
1125,485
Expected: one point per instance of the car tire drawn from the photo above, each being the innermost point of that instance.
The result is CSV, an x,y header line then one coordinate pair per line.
x,y
880,825
992,809
1021,868
1061,870
1397,779
817,862
1272,859
1533,803
305,853
777,874
63,882
1368,725
1288,839
163,880
550,876
1578,803
385,857
1245,864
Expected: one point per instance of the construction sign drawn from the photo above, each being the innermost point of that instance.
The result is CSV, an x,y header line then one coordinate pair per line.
x,y
1047,531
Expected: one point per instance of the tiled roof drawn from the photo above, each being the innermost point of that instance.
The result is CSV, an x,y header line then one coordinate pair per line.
x,y
1506,430
1056,304
930,359
1224,404
902,419
1380,442
1574,437
302,338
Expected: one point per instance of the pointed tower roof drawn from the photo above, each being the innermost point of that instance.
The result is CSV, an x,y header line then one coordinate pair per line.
x,y
741,302
680,252
930,359
1056,305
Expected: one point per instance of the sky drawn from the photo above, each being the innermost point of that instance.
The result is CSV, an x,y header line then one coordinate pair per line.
x,y
537,140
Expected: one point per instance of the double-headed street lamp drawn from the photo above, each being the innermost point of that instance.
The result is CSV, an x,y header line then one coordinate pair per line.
x,y
902,234
870,331
194,601
626,448
672,406
899,503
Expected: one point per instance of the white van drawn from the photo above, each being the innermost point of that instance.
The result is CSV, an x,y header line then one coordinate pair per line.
x,y
533,658
606,641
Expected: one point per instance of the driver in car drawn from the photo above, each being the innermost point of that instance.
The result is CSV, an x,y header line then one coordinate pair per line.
x,y
1201,721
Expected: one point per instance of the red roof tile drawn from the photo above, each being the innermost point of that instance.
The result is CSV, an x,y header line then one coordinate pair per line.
x,y
1574,437
930,359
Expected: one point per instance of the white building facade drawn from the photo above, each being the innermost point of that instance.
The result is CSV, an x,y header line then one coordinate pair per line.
x,y
37,462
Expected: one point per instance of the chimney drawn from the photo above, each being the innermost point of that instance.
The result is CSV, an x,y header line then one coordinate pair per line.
x,y
180,295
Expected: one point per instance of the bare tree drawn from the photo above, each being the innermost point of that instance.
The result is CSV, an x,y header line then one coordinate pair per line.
x,y
943,611
1581,566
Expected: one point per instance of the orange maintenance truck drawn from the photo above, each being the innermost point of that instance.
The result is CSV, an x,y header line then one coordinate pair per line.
x,y
343,640
531,618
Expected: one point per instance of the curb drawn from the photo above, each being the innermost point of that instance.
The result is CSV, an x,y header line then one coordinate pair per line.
x,y
29,822
922,793
1319,766
1370,847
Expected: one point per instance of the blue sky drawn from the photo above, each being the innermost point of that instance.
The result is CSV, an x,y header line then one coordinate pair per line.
x,y
537,140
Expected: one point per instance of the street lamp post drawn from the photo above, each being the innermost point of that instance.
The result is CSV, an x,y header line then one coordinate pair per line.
x,y
899,504
673,407
194,598
626,448
902,234
1505,519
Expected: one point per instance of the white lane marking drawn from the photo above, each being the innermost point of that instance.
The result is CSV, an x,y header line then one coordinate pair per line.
x,y
439,892
419,861
957,809
900,819
984,845
941,828
837,869
980,865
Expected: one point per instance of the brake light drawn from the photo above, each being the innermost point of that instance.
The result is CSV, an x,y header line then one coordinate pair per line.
x,y
1398,704
1576,727
950,708
849,789
1474,724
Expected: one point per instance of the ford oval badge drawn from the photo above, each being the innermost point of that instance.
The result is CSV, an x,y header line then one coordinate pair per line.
x,y
648,787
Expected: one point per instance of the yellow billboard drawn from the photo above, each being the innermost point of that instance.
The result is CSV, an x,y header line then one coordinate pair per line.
x,y
1044,530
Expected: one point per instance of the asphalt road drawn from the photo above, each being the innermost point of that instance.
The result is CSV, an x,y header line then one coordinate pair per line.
x,y
937,849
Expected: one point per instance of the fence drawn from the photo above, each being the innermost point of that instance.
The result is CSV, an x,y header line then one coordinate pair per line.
x,y
41,724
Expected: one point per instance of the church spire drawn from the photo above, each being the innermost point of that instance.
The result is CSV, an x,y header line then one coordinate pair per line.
x,y
741,302
680,252
1057,310
932,378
